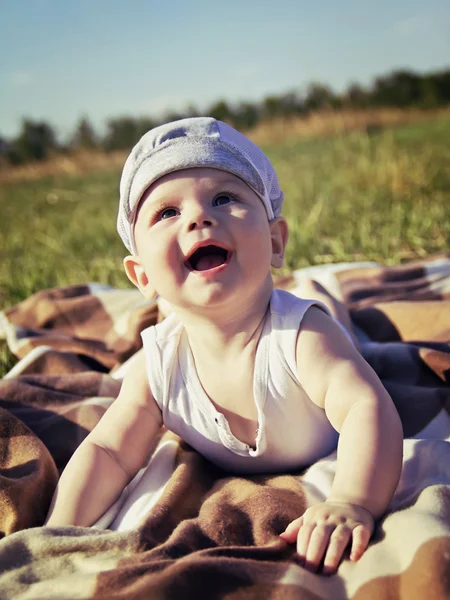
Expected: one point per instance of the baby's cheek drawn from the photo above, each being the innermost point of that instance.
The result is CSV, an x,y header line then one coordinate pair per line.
x,y
260,250
163,256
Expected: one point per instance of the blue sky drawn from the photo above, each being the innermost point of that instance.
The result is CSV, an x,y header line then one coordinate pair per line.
x,y
63,59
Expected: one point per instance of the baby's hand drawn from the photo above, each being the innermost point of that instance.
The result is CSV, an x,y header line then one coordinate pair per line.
x,y
325,530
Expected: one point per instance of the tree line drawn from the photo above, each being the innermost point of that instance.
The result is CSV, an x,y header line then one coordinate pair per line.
x,y
400,89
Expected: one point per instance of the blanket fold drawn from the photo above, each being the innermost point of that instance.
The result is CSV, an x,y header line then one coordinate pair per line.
x,y
28,476
184,528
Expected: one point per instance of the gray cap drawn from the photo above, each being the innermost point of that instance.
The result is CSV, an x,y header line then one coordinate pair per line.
x,y
189,143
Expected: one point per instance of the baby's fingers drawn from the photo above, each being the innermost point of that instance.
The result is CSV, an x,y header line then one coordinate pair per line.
x,y
361,538
338,543
312,543
291,531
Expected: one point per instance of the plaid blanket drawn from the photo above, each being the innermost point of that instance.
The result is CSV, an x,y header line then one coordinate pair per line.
x,y
183,528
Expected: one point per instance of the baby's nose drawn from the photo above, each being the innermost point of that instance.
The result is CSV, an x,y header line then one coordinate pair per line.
x,y
200,217
196,223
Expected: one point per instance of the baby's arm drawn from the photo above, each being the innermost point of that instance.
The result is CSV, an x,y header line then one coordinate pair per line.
x,y
369,457
110,456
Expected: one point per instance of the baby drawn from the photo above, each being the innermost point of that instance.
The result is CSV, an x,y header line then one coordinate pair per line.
x,y
255,379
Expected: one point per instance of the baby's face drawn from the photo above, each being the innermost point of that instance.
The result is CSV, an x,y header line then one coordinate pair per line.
x,y
202,238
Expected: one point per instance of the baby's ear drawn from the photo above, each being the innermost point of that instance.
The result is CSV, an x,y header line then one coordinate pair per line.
x,y
279,234
137,275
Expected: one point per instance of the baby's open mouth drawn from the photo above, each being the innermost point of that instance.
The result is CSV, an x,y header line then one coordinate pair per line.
x,y
207,257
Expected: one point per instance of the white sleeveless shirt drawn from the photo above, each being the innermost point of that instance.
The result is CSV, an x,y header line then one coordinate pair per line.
x,y
293,432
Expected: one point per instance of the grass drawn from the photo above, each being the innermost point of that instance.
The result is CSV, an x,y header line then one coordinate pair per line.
x,y
379,196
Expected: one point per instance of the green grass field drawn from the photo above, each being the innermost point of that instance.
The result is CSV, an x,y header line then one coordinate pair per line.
x,y
383,196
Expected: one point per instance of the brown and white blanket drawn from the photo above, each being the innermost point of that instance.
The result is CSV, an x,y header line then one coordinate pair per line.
x,y
183,528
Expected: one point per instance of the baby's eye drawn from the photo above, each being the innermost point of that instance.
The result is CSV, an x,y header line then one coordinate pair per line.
x,y
168,213
223,199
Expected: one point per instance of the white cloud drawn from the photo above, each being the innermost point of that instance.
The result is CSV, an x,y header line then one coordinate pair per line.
x,y
247,70
163,104
413,25
21,79
43,4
